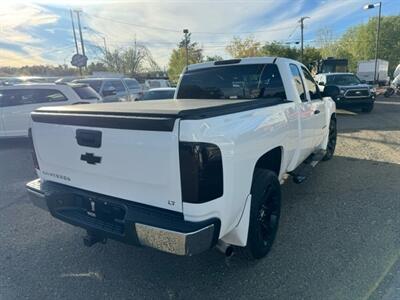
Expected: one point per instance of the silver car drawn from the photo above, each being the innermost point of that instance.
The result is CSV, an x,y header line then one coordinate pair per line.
x,y
115,89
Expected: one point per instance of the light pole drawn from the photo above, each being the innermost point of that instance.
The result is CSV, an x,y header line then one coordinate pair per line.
x,y
378,28
301,21
186,31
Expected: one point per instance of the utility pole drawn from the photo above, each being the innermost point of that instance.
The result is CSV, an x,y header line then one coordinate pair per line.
x,y
80,35
105,43
186,31
301,21
80,30
73,30
377,44
378,28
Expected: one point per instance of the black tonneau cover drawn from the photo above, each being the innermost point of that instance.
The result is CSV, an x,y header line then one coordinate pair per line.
x,y
157,115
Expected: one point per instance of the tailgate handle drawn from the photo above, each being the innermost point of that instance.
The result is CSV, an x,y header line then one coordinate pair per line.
x,y
88,138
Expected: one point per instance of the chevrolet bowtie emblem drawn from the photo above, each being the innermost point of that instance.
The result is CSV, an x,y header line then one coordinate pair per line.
x,y
90,158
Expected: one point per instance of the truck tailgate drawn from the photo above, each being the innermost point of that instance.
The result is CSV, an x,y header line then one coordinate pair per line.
x,y
140,165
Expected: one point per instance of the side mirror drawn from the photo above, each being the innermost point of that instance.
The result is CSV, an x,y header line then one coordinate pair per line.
x,y
363,81
331,91
109,92
321,83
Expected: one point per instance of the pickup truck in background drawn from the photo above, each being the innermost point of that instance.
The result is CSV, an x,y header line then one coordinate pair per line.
x,y
347,90
186,174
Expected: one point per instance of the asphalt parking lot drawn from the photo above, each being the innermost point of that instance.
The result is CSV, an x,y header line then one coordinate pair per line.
x,y
338,238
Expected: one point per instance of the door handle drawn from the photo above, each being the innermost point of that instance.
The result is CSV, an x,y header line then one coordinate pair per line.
x,y
316,112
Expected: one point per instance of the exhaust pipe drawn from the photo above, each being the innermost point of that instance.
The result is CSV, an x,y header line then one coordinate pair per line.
x,y
225,248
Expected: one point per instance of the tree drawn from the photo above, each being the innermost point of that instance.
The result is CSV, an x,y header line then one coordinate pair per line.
x,y
311,55
177,60
247,47
278,49
38,70
96,67
214,58
129,61
326,43
358,42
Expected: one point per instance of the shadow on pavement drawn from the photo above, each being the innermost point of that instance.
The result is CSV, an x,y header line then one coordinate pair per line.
x,y
11,143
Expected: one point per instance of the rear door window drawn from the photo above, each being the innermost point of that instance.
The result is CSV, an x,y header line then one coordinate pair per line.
x,y
16,97
246,81
44,96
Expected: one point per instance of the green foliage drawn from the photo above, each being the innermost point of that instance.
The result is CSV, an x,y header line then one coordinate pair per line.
x,y
248,47
177,60
278,49
358,42
310,55
214,58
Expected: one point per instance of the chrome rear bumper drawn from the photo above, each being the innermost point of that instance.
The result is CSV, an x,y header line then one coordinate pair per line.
x,y
178,243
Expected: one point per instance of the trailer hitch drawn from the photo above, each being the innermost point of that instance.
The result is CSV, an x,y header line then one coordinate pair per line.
x,y
90,239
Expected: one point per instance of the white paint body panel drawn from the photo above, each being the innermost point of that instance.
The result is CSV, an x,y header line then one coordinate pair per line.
x,y
141,166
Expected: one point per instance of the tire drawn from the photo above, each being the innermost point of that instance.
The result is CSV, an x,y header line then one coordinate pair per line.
x,y
368,108
389,92
264,214
332,137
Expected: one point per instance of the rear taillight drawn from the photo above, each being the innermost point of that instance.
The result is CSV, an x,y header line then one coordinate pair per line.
x,y
201,172
34,157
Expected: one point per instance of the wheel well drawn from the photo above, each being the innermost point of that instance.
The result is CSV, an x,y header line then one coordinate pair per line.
x,y
271,160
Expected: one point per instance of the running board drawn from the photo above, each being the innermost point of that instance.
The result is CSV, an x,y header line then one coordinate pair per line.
x,y
301,173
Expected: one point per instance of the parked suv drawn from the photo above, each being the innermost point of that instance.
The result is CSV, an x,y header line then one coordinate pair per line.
x,y
347,90
115,89
18,101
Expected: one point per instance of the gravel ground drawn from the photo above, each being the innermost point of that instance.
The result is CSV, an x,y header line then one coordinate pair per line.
x,y
338,238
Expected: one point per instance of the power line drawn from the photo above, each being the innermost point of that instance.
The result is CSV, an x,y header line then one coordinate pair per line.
x,y
178,31
132,24
244,32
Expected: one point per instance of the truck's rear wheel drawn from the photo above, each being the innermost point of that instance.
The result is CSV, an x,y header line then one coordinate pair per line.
x,y
264,214
332,136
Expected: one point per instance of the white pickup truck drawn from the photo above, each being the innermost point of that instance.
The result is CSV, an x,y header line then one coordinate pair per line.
x,y
190,173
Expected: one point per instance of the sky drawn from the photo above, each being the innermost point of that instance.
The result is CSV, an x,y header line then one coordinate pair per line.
x,y
40,32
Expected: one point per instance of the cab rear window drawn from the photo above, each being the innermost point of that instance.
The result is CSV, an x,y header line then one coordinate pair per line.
x,y
255,81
